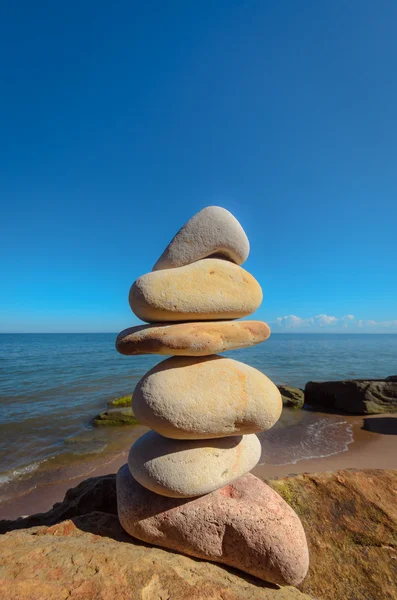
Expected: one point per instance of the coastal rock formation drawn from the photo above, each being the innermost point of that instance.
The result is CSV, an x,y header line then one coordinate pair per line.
x,y
244,525
356,396
187,468
350,519
213,230
198,398
208,289
197,406
191,339
292,397
116,416
79,560
121,401
78,549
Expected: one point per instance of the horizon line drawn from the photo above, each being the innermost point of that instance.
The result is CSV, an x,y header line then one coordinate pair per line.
x,y
272,333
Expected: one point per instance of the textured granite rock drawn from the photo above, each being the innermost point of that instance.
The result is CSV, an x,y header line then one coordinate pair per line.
x,y
213,230
208,289
209,397
357,396
191,339
244,525
187,468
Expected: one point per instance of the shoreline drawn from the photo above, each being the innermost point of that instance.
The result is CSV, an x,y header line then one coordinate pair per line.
x,y
368,450
376,449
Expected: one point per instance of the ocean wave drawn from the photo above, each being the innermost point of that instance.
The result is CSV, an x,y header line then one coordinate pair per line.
x,y
305,441
19,473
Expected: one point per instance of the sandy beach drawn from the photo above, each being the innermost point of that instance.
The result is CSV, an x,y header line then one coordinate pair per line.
x,y
376,449
371,449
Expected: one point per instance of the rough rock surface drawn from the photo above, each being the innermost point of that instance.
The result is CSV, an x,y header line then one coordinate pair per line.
x,y
79,560
350,518
191,339
207,289
245,525
213,230
292,397
187,468
357,396
209,397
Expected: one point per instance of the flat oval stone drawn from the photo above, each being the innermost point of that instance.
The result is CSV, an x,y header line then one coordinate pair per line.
x,y
245,525
183,469
203,398
213,230
208,289
191,339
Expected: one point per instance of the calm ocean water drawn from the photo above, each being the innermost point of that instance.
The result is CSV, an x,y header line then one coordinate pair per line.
x,y
51,386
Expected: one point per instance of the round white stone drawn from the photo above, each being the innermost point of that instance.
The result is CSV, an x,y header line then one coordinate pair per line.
x,y
209,397
184,469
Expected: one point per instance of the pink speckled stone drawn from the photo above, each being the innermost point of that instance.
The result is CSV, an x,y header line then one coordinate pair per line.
x,y
245,525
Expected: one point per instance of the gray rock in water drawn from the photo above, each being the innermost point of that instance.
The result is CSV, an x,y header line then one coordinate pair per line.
x,y
356,396
116,416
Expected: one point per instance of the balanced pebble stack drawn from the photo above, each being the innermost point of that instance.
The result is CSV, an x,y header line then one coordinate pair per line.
x,y
187,485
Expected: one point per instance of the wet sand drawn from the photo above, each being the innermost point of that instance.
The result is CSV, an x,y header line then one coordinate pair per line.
x,y
375,449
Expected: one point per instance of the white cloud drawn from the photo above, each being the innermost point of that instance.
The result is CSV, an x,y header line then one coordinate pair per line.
x,y
332,324
324,320
290,322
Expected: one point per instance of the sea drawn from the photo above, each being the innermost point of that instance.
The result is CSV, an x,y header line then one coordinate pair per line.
x,y
53,385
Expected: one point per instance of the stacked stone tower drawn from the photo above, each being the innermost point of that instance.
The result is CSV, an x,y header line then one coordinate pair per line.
x,y
187,485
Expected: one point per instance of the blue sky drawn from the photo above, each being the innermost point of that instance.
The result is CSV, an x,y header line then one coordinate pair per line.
x,y
120,120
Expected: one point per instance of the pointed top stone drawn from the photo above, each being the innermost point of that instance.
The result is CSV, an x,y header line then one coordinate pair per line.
x,y
213,230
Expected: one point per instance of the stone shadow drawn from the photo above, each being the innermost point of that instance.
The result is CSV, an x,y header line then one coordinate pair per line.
x,y
92,507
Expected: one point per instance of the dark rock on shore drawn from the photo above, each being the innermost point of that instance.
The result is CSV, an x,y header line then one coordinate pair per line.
x,y
292,397
79,550
356,396
91,495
